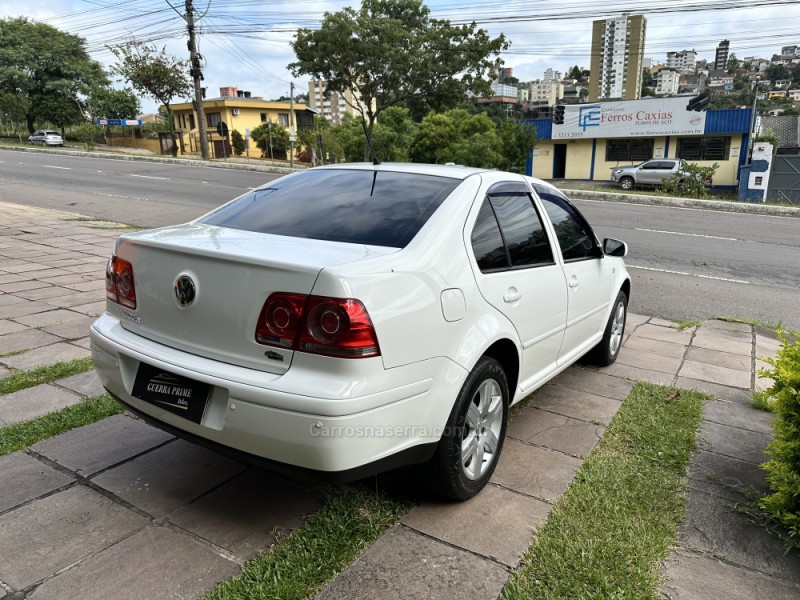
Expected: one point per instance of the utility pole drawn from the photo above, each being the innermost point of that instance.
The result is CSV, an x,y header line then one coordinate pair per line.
x,y
291,124
197,75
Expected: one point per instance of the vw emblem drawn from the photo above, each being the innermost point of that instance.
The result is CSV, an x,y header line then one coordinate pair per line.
x,y
185,291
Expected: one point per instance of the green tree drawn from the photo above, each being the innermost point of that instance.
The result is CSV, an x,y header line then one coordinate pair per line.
x,y
689,182
517,140
106,102
14,108
775,72
153,72
392,52
272,141
456,136
733,63
48,67
575,73
88,134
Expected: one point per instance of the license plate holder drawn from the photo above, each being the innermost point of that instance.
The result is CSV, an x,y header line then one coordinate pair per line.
x,y
179,395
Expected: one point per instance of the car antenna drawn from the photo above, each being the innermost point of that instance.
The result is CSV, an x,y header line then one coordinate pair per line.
x,y
375,160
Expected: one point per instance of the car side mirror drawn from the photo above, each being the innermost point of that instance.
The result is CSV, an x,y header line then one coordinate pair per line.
x,y
614,247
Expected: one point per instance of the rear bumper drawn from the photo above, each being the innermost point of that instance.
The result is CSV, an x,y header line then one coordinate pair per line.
x,y
365,422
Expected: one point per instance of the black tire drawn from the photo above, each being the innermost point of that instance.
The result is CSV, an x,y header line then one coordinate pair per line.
x,y
626,183
607,350
447,474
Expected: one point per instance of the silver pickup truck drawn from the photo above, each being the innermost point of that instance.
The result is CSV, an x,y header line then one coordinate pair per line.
x,y
649,173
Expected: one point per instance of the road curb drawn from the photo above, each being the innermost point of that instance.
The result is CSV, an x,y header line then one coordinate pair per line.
x,y
736,207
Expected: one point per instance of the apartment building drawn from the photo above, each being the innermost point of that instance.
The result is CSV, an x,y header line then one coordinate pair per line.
x,y
683,61
617,58
333,108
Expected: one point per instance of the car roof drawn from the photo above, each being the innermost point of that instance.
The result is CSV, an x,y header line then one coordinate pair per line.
x,y
452,171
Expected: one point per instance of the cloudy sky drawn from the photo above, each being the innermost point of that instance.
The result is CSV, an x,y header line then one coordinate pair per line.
x,y
246,42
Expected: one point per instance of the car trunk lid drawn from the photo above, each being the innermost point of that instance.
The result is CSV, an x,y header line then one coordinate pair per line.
x,y
200,288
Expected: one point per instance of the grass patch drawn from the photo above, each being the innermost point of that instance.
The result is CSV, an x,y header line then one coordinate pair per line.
x,y
610,532
299,564
21,435
763,401
20,380
81,219
755,322
117,227
686,324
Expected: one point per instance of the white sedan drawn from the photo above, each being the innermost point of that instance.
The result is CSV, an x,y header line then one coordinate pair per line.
x,y
349,319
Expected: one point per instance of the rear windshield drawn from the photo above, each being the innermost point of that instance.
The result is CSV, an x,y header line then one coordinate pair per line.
x,y
380,208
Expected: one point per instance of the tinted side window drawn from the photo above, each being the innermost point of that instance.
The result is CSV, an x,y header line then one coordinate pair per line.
x,y
487,241
522,229
574,235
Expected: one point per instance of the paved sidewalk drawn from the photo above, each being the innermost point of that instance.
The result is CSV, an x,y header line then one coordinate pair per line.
x,y
120,510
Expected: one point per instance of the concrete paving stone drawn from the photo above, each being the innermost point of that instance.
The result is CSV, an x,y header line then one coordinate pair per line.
x,y
763,352
404,564
22,286
633,320
575,403
34,402
73,330
93,309
763,382
10,278
716,374
22,267
92,265
556,432
722,392
96,285
637,374
768,342
46,273
71,300
7,326
653,346
83,342
691,576
4,372
538,472
67,279
741,362
665,334
738,415
52,533
85,384
51,317
497,523
743,334
649,361
27,339
717,527
95,447
155,562
723,344
588,380
8,298
664,323
47,355
23,478
42,293
717,324
733,442
168,478
20,309
243,514
725,477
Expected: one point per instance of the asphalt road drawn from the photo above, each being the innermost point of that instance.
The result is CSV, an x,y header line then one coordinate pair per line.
x,y
685,263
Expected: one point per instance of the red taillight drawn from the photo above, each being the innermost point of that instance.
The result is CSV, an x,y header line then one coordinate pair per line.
x,y
337,327
119,282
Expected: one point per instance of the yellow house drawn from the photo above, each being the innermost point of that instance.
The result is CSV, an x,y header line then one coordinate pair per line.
x,y
240,113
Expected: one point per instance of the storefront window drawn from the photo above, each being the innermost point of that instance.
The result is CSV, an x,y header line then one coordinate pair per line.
x,y
636,150
705,148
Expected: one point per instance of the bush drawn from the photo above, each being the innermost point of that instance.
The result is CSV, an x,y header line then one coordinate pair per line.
x,y
783,468
237,141
88,134
689,182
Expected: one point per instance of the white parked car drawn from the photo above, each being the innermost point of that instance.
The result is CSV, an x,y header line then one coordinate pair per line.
x,y
352,318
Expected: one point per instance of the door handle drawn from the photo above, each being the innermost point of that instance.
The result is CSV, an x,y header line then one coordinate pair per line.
x,y
573,282
512,295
